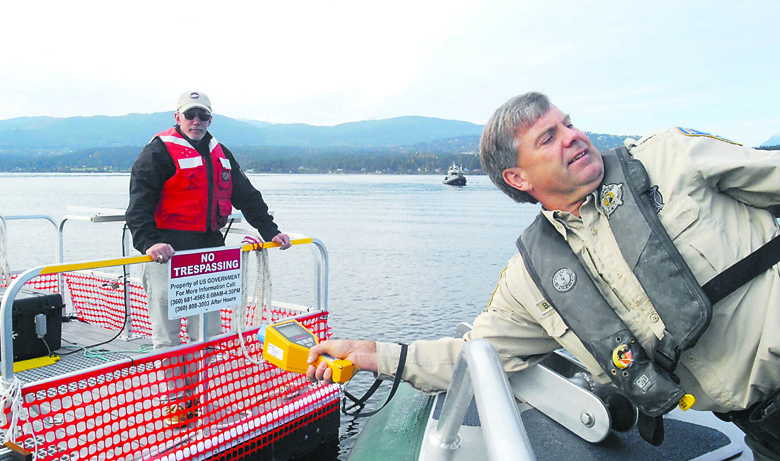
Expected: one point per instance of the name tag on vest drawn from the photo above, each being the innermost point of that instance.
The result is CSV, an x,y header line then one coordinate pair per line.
x,y
225,163
191,162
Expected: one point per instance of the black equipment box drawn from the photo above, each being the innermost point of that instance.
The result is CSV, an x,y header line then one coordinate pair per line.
x,y
28,304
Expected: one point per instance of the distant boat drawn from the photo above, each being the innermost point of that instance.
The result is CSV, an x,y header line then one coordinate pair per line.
x,y
455,176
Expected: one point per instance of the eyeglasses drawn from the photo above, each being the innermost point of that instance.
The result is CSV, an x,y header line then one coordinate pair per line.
x,y
202,115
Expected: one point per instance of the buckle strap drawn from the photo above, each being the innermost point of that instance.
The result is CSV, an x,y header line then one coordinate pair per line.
x,y
361,402
743,271
667,354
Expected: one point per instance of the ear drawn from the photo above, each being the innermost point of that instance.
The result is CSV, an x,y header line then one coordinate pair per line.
x,y
176,116
516,178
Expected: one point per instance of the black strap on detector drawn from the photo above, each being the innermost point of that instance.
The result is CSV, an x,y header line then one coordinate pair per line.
x,y
361,402
743,271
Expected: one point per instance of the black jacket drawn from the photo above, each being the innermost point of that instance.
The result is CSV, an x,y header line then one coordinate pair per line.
x,y
153,167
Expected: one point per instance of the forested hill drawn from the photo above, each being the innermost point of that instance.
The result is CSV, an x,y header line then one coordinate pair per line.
x,y
407,145
61,135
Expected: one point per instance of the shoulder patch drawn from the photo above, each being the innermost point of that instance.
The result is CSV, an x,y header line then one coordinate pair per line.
x,y
694,133
564,279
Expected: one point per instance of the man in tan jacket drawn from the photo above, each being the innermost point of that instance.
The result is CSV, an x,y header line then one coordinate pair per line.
x,y
715,201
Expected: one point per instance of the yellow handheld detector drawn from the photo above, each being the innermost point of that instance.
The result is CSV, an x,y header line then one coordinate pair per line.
x,y
287,344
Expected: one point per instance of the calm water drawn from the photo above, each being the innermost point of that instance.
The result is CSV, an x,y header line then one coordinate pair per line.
x,y
410,258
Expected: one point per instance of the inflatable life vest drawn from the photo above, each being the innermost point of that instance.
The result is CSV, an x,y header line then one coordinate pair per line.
x,y
197,197
628,199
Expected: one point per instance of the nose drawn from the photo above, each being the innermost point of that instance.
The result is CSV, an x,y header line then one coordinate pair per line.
x,y
571,135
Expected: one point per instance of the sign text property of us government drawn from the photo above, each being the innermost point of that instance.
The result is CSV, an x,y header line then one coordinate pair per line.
x,y
203,281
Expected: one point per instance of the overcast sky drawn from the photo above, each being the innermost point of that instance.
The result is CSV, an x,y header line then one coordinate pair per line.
x,y
619,67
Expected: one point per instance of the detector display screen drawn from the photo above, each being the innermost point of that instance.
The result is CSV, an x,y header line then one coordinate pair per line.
x,y
296,334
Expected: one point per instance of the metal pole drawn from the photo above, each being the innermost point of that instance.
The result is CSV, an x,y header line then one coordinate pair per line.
x,y
480,373
6,320
321,275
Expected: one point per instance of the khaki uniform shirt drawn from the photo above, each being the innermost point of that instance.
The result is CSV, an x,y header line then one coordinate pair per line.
x,y
716,195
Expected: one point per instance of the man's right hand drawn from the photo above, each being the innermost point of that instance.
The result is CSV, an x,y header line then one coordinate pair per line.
x,y
160,252
362,354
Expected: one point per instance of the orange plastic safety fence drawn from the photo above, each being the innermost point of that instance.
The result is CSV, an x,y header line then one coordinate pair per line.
x,y
200,402
47,282
99,299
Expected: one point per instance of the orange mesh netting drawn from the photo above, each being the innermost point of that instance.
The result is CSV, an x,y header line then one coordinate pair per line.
x,y
202,401
47,282
100,300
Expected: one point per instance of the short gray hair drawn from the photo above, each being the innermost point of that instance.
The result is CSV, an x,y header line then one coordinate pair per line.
x,y
499,143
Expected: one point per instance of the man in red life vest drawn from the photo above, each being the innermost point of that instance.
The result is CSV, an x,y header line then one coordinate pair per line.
x,y
183,187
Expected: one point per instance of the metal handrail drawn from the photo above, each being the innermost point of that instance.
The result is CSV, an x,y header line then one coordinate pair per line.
x,y
96,216
6,320
321,273
37,216
480,374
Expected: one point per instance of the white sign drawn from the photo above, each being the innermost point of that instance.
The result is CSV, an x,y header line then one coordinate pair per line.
x,y
203,281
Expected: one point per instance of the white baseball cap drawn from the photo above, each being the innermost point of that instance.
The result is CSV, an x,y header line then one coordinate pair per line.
x,y
190,99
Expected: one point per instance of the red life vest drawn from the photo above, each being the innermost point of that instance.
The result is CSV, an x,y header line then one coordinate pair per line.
x,y
184,204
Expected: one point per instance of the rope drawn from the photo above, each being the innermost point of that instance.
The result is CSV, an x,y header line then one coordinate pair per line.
x,y
261,295
11,397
